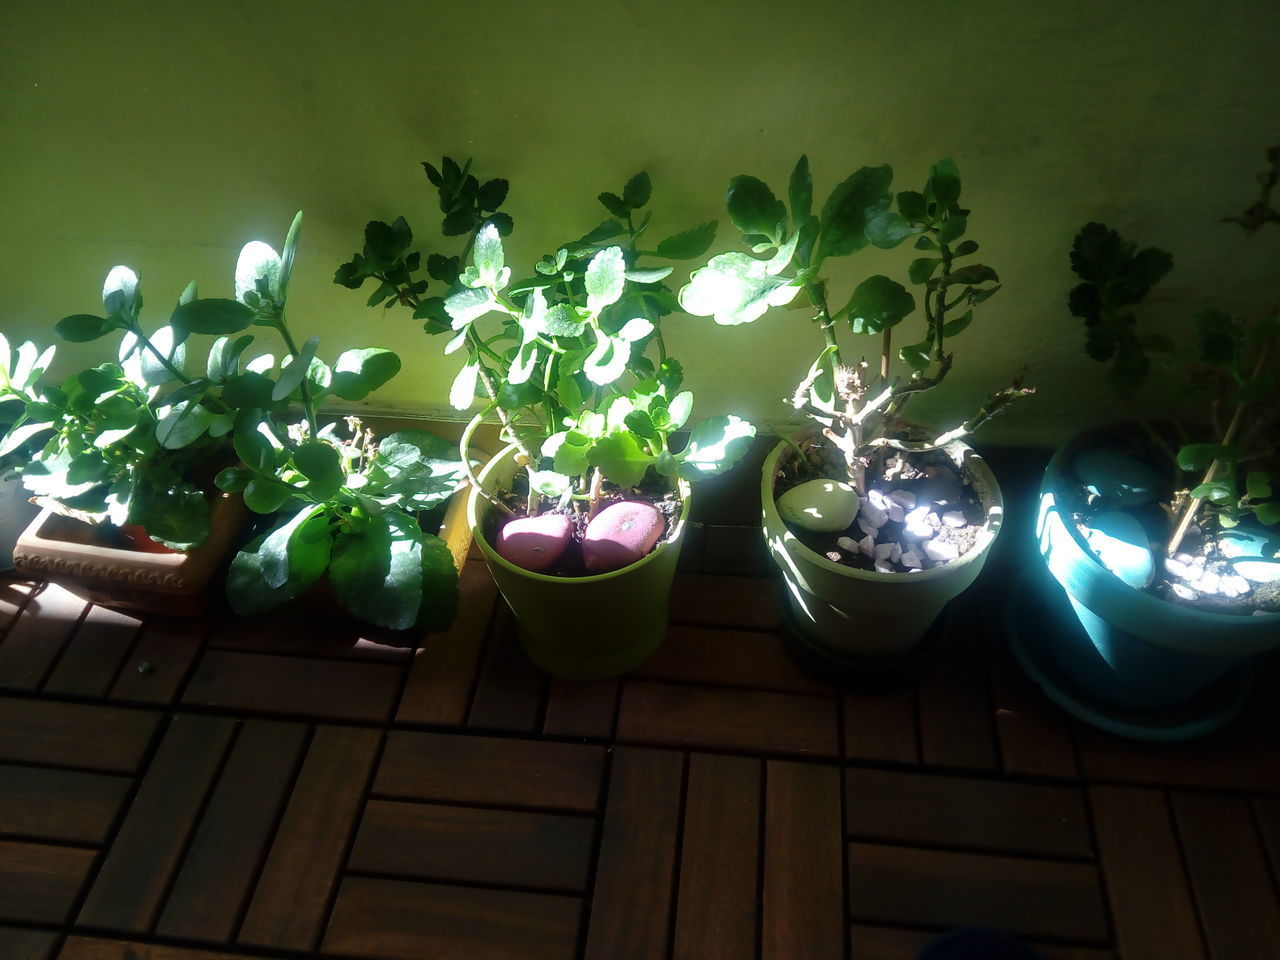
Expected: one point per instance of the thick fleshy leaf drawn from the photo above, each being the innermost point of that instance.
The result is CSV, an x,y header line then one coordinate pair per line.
x,y
637,191
605,279
463,391
851,206
266,495
620,458
120,292
212,316
753,208
878,303
376,570
735,288
800,192
608,361
688,244
256,260
297,550
468,305
715,445
488,257
321,465
185,423
292,375
359,372
84,327
944,183
224,356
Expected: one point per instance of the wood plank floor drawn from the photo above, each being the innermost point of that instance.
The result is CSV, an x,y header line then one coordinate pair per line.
x,y
218,789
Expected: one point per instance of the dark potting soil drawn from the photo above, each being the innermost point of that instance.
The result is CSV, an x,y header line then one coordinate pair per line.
x,y
890,470
572,564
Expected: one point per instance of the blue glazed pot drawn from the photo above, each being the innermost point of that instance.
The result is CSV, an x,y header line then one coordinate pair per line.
x,y
1133,650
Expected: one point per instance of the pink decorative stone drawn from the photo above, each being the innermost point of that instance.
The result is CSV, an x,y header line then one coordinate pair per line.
x,y
535,543
621,534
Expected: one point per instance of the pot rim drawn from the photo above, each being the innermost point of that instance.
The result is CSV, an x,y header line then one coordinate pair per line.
x,y
1148,604
773,520
492,555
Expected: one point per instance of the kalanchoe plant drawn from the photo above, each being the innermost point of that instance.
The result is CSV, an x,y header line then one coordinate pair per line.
x,y
1231,365
127,439
859,408
560,357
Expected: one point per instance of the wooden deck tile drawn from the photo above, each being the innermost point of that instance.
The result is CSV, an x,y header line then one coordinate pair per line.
x,y
929,810
301,872
400,920
581,709
490,771
1267,812
94,948
32,645
802,912
19,944
130,887
494,847
955,716
1240,758
1034,735
728,658
711,719
39,883
716,912
110,739
14,594
510,689
741,603
631,908
221,865
1150,903
1238,907
892,943
93,656
294,686
329,635
938,888
444,670
59,804
156,669
881,726
735,550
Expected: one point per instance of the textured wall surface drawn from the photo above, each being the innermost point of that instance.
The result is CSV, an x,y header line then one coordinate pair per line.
x,y
164,135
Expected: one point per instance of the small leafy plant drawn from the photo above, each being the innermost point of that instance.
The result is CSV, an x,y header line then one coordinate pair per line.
x,y
1230,366
859,409
128,438
561,358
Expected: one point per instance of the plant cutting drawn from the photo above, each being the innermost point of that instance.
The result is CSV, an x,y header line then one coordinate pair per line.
x,y
875,523
1164,535
580,517
144,442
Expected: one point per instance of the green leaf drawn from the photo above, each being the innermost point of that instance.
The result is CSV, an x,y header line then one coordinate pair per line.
x,y
185,423
641,424
287,257
974,273
651,275
925,242
492,194
549,483
951,327
247,390
671,375
469,304
224,356
173,511
1267,513
212,316
912,205
376,571
84,327
1198,456
922,268
607,361
637,191
952,229
888,229
232,479
944,183
615,205
463,391
916,355
605,279
120,296
637,328
296,552
488,257
679,410
620,458
291,376
877,303
965,248
800,192
754,209
1215,492
1258,485
715,445
852,204
18,435
735,288
322,466
254,450
359,372
307,555
266,494
690,243
1218,335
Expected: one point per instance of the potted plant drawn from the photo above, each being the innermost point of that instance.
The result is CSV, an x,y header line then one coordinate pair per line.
x,y
580,517
146,445
1164,535
875,523
16,509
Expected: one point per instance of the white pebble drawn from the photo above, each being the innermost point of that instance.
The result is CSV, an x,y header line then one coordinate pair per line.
x,y
940,552
1208,582
896,555
1178,569
1185,592
877,500
884,550
917,524
954,518
867,546
872,514
847,544
1233,585
911,560
905,498
882,567
895,511
1183,558
867,527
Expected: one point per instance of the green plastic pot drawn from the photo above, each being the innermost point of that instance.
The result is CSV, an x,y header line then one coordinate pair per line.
x,y
582,628
847,615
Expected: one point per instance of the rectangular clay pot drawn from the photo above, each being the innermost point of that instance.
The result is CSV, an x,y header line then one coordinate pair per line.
x,y
69,553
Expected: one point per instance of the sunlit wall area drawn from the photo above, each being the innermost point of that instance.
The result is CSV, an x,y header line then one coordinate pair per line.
x,y
164,135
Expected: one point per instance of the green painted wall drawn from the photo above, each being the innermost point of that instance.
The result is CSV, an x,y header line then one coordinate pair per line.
x,y
164,135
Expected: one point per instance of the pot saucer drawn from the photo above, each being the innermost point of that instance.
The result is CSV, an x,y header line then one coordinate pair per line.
x,y
1037,615
854,673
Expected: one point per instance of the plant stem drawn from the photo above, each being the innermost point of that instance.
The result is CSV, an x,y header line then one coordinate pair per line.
x,y
885,351
597,481
308,404
215,402
464,446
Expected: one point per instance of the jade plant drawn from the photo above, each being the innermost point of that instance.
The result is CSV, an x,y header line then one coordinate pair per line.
x,y
143,440
1225,464
858,405
560,358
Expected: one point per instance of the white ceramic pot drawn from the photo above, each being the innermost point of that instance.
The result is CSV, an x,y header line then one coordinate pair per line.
x,y
849,614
